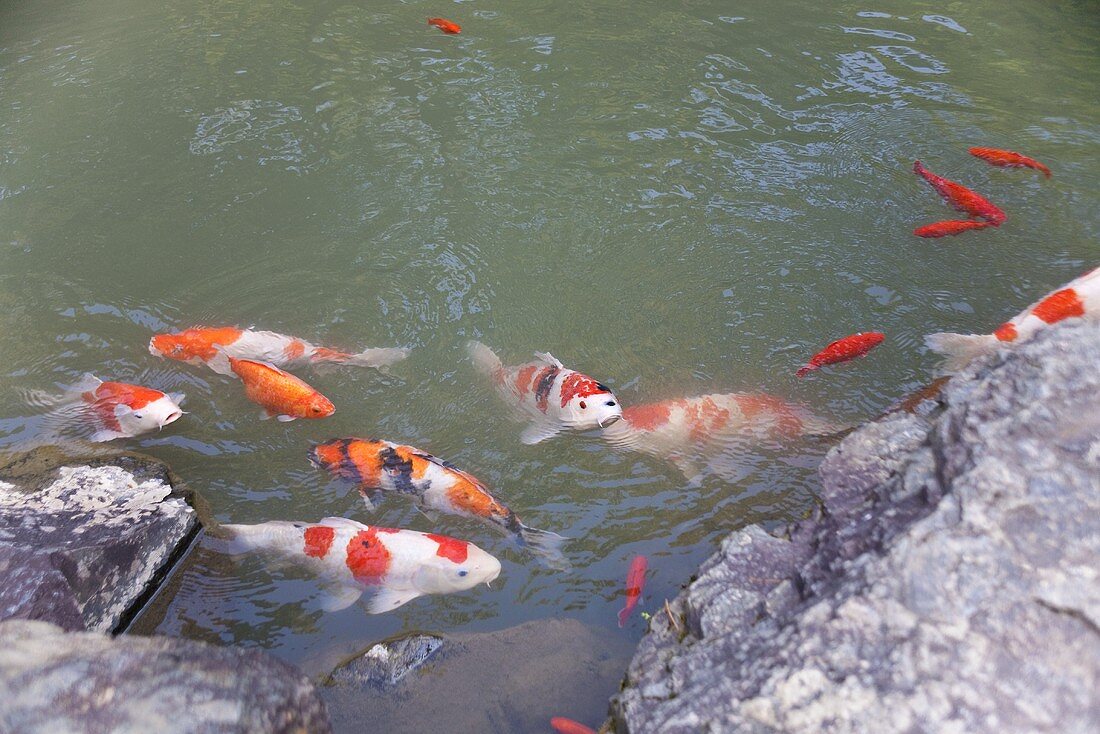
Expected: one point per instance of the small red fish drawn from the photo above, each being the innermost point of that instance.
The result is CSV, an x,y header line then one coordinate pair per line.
x,y
842,350
962,198
949,227
635,580
1008,159
563,725
447,26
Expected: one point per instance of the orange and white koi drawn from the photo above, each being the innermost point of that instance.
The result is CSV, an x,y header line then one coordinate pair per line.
x,y
552,396
376,465
842,350
1008,159
213,347
950,227
281,394
390,565
962,198
635,582
121,410
1079,298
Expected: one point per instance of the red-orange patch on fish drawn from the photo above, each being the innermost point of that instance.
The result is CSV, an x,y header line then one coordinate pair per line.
x,y
705,417
455,551
647,416
368,559
192,343
523,379
1006,332
576,385
294,350
787,421
1059,305
447,26
365,456
318,540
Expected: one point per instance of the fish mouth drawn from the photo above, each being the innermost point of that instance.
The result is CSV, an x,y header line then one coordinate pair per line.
x,y
608,421
172,418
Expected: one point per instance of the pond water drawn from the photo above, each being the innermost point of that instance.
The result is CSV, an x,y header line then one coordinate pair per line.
x,y
676,198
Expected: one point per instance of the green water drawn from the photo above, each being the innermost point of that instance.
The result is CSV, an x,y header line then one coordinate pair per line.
x,y
674,197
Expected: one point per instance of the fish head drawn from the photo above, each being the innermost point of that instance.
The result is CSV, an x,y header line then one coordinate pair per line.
x,y
319,407
141,417
168,345
588,404
457,566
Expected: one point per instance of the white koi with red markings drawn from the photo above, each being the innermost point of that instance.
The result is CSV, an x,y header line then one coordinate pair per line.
x,y
111,410
391,566
553,397
1079,298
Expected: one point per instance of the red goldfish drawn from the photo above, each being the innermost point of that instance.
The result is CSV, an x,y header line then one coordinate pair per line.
x,y
281,394
842,350
635,580
447,26
1008,159
949,227
1079,298
962,198
562,725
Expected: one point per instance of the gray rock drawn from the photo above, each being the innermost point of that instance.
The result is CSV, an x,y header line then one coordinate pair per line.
x,y
949,584
512,680
384,665
77,683
83,541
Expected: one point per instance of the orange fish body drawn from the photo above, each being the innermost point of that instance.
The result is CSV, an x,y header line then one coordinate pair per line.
x,y
447,26
962,198
843,350
950,227
635,581
1008,159
280,393
562,725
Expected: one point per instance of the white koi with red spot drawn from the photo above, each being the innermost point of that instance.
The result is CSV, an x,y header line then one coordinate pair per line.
x,y
1079,298
391,566
213,346
552,396
105,411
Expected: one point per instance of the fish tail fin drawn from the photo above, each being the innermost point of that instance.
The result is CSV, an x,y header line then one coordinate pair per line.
x,y
805,370
546,545
379,358
485,359
624,614
960,349
1044,169
919,169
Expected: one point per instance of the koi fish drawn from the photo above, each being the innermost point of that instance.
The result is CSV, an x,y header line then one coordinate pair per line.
x,y
554,397
121,410
843,350
562,725
214,346
1008,159
961,198
447,26
435,485
391,566
282,395
635,581
1079,298
949,227
687,430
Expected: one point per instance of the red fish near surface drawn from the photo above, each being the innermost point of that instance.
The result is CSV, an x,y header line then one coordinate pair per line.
x,y
447,26
1008,159
962,198
949,227
281,394
635,581
843,350
562,725
122,410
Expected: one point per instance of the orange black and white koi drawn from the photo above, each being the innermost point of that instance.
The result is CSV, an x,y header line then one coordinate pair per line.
x,y
635,582
1008,159
376,465
1079,298
552,396
842,350
282,395
950,227
390,565
961,198
213,346
118,409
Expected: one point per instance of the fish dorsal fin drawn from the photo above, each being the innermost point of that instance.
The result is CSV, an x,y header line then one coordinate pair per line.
x,y
386,599
342,522
450,467
549,359
539,431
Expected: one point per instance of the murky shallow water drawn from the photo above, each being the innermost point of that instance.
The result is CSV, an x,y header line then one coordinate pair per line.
x,y
677,198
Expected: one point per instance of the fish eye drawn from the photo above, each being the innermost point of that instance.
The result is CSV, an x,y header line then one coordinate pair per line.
x,y
611,403
137,415
583,405
463,572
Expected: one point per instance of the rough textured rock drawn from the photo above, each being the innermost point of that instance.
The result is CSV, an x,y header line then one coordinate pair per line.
x,y
81,542
950,584
53,681
512,680
387,663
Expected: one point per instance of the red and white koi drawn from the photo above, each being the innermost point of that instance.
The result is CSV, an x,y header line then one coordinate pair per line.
x,y
635,582
118,409
391,566
376,465
282,395
554,397
962,198
1008,159
843,350
213,346
1079,298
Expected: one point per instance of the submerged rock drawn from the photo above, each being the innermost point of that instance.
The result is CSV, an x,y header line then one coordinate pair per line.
x,y
387,663
53,681
82,542
950,582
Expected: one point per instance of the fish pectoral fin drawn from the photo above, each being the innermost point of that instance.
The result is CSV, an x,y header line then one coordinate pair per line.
x,y
387,599
266,415
431,515
538,432
105,435
549,359
283,418
336,597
